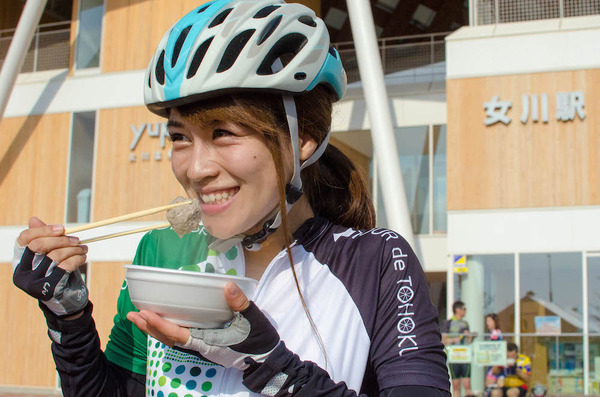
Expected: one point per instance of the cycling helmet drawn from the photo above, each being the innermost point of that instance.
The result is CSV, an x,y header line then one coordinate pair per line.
x,y
228,45
232,46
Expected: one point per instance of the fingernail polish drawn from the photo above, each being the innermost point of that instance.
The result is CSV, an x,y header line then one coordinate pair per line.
x,y
58,228
74,239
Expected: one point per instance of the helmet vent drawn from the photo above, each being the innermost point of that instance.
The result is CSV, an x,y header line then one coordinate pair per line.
x,y
202,9
265,11
269,29
236,45
160,69
333,52
150,80
220,18
179,44
300,76
307,20
285,49
198,56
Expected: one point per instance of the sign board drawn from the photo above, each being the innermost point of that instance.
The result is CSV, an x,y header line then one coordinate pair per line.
x,y
569,106
548,325
460,264
489,353
459,354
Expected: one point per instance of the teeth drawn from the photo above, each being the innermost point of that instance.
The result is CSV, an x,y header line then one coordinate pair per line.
x,y
218,198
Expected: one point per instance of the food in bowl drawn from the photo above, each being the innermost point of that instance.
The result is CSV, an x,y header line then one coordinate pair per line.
x,y
187,298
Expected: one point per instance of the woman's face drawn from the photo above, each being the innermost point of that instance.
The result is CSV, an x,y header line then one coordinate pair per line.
x,y
229,168
490,323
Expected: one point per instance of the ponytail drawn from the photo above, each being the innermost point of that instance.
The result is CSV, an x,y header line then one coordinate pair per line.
x,y
336,189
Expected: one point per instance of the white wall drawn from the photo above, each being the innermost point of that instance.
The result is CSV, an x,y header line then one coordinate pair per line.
x,y
524,47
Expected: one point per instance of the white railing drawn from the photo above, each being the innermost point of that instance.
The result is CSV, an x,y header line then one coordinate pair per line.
x,y
399,54
488,12
50,47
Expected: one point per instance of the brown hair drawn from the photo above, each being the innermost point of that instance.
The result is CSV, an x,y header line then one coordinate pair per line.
x,y
336,189
496,319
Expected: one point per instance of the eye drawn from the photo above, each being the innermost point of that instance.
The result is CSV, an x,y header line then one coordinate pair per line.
x,y
220,133
176,137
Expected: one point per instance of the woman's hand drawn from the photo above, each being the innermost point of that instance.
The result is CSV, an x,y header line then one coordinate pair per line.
x,y
249,336
172,334
46,264
50,240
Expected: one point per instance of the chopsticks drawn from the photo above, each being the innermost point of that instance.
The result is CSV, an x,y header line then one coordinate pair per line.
x,y
123,218
119,234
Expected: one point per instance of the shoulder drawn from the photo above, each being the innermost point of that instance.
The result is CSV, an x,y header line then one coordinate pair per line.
x,y
340,244
524,360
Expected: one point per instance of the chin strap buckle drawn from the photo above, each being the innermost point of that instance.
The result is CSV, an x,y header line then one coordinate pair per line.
x,y
253,241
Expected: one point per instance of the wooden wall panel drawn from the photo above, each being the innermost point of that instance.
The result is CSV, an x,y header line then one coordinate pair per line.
x,y
132,29
73,37
522,165
26,341
34,155
122,186
105,280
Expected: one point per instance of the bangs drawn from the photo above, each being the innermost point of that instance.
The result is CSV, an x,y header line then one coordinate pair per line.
x,y
261,113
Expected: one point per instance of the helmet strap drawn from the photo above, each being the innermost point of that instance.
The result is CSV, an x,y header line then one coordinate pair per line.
x,y
293,190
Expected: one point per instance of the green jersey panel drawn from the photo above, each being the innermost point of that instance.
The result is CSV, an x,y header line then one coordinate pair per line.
x,y
127,345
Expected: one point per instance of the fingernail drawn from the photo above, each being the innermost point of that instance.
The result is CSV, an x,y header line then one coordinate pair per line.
x,y
234,289
74,239
85,248
58,228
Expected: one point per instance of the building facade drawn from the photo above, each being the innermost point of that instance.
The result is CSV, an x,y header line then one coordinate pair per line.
x,y
496,126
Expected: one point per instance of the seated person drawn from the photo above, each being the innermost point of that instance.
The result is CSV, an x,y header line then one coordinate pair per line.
x,y
494,379
516,374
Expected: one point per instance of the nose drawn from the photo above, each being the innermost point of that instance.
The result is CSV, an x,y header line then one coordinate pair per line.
x,y
202,164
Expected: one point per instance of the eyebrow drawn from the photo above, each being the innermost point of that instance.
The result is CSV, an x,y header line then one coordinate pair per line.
x,y
174,124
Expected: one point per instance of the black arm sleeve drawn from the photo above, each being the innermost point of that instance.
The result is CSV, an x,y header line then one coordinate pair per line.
x,y
283,374
83,368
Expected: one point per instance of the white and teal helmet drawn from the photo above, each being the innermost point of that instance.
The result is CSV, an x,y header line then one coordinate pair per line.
x,y
229,45
233,46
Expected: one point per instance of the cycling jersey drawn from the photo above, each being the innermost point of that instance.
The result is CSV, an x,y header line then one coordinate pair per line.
x,y
523,363
365,291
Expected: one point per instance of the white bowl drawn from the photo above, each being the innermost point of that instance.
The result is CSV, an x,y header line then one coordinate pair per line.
x,y
189,299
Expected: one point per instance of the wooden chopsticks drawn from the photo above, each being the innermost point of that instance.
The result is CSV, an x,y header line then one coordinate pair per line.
x,y
123,218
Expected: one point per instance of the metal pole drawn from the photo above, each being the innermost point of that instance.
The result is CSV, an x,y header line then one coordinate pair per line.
x,y
586,326
382,131
19,46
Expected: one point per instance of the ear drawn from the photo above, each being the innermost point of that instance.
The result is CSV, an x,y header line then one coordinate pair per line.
x,y
307,147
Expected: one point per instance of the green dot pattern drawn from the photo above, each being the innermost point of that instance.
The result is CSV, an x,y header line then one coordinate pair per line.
x,y
173,373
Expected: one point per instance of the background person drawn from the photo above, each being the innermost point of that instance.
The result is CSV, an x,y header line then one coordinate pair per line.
x,y
247,87
455,331
517,373
492,323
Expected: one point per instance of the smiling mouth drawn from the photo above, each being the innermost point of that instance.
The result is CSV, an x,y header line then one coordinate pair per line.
x,y
219,197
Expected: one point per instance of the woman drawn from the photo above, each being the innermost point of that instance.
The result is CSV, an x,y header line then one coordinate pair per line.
x,y
247,87
492,323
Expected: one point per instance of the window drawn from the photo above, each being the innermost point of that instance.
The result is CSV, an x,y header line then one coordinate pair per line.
x,y
488,287
422,152
90,34
440,220
550,283
593,279
81,167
